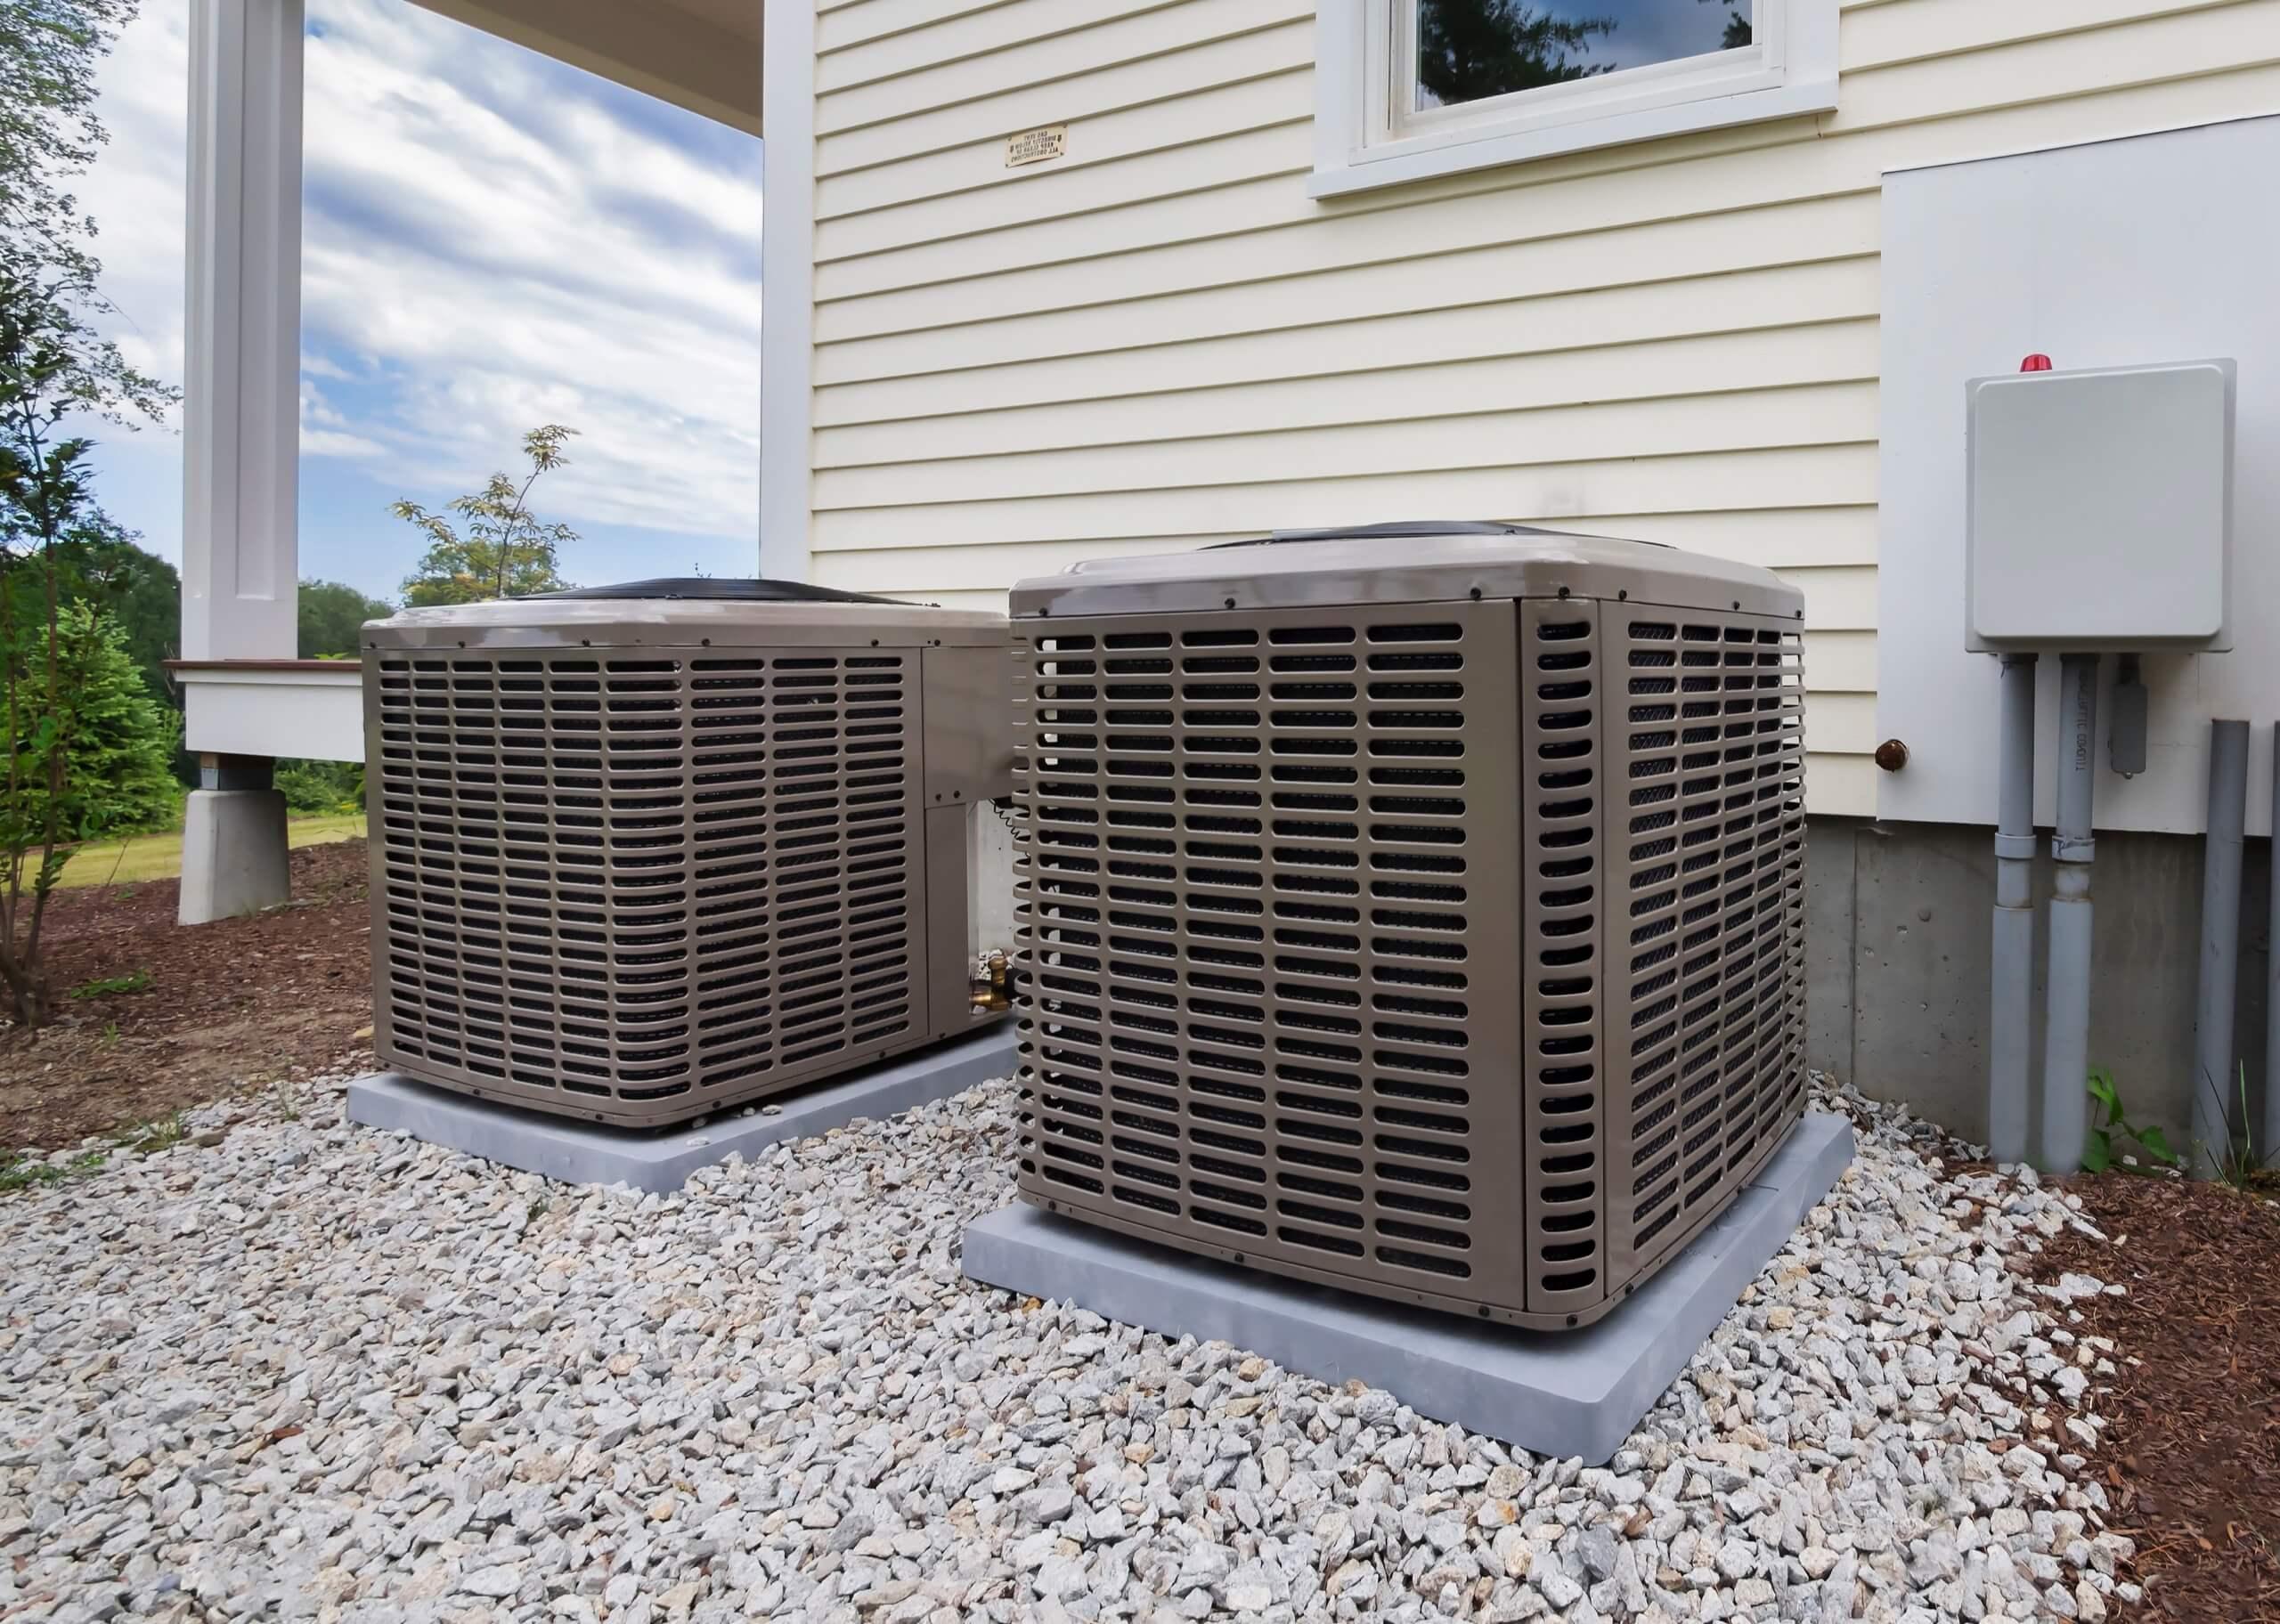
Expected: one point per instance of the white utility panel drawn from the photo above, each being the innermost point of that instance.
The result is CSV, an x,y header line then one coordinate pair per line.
x,y
2112,254
2100,508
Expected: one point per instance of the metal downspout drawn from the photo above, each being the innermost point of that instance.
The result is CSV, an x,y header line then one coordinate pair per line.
x,y
2270,1139
2213,1074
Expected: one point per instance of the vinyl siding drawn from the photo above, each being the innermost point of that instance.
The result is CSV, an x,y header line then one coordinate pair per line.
x,y
1161,341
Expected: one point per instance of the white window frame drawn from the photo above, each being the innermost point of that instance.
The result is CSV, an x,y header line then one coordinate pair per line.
x,y
1365,135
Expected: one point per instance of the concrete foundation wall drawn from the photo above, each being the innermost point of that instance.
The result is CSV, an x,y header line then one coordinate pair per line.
x,y
1898,938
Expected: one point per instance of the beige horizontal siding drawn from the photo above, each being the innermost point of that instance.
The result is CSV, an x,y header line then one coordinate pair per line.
x,y
968,188
1160,341
1730,481
1237,58
1830,552
940,48
1041,59
1716,372
1658,265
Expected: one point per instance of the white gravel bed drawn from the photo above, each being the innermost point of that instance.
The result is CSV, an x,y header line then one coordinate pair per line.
x,y
318,1372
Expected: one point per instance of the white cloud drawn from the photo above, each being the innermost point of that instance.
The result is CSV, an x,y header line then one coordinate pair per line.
x,y
136,191
488,244
325,432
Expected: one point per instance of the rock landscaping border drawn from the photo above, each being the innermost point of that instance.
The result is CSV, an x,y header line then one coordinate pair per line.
x,y
312,1372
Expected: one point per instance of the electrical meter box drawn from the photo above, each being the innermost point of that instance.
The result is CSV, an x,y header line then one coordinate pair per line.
x,y
2100,509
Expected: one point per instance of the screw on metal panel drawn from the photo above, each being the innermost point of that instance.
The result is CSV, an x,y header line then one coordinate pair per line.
x,y
1571,1319
1230,602
1738,606
1622,596
1476,595
1892,755
1563,593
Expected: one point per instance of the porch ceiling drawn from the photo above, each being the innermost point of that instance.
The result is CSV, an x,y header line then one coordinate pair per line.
x,y
700,54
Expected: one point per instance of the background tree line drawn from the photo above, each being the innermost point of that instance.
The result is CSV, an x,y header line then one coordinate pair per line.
x,y
90,722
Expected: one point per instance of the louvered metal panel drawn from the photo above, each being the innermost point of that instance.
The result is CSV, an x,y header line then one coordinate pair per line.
x,y
1449,950
643,881
1265,909
1711,861
1561,988
630,879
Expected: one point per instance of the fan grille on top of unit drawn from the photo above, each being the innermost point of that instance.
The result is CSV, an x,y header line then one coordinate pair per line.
x,y
621,877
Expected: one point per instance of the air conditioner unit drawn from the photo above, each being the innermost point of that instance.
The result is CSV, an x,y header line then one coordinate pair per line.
x,y
643,852
1418,910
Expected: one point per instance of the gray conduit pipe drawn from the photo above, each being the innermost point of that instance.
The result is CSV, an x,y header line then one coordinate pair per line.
x,y
2213,1080
2270,1141
2066,1042
2009,1047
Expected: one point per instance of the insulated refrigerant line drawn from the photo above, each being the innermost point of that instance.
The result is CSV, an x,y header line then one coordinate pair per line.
x,y
2009,1060
2220,942
2066,1063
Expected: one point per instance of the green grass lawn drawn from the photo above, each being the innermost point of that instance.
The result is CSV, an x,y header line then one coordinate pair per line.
x,y
158,857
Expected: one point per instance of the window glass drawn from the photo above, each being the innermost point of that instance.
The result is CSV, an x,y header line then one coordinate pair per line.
x,y
1470,49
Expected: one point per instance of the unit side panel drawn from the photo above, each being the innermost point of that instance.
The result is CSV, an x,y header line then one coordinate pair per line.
x,y
1267,905
1563,993
1706,918
640,885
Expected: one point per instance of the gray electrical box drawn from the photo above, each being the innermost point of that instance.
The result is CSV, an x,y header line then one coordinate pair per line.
x,y
2100,509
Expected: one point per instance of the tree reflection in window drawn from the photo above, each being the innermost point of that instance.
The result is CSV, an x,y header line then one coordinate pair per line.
x,y
1467,50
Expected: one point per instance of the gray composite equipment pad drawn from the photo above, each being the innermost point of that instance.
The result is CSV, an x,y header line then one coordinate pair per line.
x,y
591,1153
1559,1394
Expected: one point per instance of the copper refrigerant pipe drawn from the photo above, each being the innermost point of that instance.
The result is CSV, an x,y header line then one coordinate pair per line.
x,y
989,986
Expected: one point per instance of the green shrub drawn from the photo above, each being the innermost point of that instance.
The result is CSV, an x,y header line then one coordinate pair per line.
x,y
119,754
321,786
2110,1125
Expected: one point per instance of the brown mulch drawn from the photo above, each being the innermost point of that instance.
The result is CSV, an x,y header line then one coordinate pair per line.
x,y
230,1005
2193,1453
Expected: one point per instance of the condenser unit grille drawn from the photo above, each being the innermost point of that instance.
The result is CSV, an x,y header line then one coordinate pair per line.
x,y
1707,848
1267,915
610,882
1345,960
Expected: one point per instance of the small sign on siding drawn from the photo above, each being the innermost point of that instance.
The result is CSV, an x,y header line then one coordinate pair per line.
x,y
1038,146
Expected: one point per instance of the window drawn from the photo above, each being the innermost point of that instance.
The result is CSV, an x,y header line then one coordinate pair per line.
x,y
1413,88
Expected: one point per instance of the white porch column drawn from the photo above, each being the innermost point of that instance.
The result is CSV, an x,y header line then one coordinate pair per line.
x,y
240,420
242,400
787,272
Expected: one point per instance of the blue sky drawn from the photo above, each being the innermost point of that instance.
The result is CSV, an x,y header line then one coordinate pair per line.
x,y
491,240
